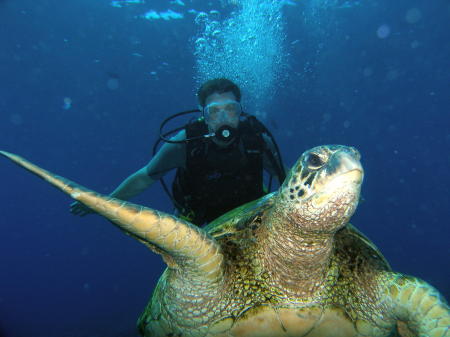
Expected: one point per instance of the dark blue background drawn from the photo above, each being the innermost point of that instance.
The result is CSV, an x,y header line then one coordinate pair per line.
x,y
62,275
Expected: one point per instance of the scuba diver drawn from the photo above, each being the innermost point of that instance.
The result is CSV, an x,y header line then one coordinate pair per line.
x,y
220,158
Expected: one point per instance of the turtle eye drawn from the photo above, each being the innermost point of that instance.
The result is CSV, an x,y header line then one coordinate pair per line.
x,y
314,161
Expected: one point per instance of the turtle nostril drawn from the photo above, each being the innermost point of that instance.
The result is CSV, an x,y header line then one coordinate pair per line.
x,y
356,153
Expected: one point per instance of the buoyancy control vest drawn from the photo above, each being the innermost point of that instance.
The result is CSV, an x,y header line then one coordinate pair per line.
x,y
217,179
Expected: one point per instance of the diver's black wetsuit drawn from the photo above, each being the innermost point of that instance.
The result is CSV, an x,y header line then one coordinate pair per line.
x,y
216,179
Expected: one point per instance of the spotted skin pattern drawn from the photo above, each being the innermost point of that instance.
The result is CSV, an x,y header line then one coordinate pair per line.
x,y
289,264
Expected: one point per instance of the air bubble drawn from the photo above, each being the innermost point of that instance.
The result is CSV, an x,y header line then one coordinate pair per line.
x,y
201,18
113,83
413,15
247,48
383,31
16,119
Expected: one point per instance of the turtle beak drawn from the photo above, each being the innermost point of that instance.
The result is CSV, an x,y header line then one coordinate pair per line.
x,y
350,167
340,183
344,168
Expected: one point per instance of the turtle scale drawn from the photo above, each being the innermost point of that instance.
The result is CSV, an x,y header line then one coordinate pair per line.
x,y
289,264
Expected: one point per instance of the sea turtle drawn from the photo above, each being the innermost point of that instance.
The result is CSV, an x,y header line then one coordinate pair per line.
x,y
288,264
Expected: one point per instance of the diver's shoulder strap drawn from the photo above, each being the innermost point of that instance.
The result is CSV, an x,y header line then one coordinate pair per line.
x,y
251,135
196,128
254,123
275,158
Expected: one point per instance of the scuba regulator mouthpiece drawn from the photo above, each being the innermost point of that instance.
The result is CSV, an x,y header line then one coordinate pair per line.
x,y
226,133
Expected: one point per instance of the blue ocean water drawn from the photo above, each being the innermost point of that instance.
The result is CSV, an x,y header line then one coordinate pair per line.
x,y
85,84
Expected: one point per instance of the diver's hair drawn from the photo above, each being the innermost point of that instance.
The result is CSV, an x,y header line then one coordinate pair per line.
x,y
217,85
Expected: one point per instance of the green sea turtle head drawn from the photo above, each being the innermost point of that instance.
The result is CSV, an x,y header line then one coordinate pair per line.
x,y
322,190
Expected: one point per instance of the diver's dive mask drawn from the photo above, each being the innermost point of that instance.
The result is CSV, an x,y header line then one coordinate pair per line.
x,y
225,116
226,110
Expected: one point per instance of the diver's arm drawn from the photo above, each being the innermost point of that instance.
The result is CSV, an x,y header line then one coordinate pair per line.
x,y
170,156
135,184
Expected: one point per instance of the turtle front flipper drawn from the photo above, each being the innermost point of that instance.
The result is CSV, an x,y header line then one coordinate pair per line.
x,y
418,307
183,245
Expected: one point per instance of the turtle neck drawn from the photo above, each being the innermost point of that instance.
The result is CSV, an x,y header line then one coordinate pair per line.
x,y
296,261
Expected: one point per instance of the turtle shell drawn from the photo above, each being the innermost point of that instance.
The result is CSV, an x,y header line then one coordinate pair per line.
x,y
346,303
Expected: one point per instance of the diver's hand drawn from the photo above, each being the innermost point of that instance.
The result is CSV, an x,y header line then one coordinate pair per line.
x,y
77,208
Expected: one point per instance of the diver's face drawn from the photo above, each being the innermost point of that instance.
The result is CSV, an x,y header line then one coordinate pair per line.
x,y
222,109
